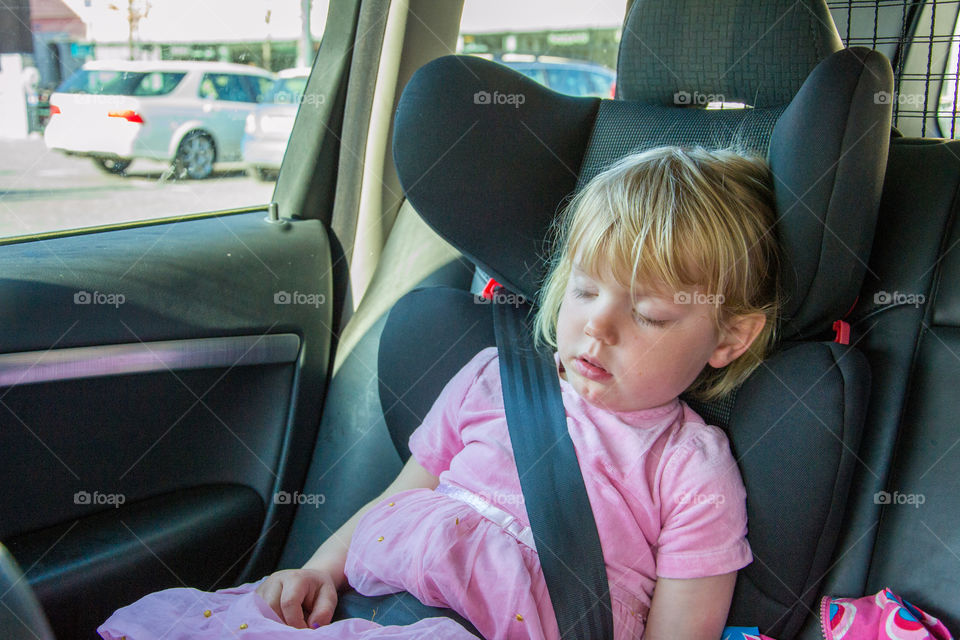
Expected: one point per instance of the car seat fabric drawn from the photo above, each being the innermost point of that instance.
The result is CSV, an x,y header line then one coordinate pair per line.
x,y
743,50
820,199
906,322
910,314
454,124
795,428
467,331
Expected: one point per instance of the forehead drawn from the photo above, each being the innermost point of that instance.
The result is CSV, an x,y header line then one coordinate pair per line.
x,y
637,286
659,256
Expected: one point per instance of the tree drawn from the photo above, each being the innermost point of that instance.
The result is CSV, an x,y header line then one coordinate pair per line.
x,y
137,10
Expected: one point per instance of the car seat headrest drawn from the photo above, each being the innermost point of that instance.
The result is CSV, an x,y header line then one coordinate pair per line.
x,y
488,158
754,51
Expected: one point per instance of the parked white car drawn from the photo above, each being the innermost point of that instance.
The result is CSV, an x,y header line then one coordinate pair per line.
x,y
268,127
189,113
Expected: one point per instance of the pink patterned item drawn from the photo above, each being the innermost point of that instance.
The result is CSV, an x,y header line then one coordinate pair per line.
x,y
884,616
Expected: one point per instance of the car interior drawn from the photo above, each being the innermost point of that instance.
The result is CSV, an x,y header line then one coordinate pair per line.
x,y
245,380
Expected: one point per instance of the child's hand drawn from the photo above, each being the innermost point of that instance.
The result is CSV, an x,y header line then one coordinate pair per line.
x,y
301,597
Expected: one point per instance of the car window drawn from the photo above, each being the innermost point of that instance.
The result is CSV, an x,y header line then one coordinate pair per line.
x,y
950,91
157,83
257,86
921,41
570,81
225,86
601,85
534,73
552,43
71,159
120,83
286,90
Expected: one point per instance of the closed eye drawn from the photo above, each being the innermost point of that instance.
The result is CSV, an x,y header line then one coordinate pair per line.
x,y
642,319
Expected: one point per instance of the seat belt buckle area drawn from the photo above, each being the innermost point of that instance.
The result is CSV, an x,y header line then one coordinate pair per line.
x,y
488,289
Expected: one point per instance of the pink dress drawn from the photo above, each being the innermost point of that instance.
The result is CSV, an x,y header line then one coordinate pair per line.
x,y
665,491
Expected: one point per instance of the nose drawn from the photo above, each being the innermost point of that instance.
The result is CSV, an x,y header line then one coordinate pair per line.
x,y
601,326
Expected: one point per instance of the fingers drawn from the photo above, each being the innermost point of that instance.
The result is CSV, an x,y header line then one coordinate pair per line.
x,y
294,595
324,604
270,590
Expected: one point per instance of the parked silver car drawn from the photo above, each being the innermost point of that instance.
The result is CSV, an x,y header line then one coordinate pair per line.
x,y
268,127
189,113
572,77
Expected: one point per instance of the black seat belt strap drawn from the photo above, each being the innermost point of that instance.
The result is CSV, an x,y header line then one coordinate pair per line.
x,y
557,505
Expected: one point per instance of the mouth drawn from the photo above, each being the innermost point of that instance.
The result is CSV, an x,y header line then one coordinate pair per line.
x,y
591,369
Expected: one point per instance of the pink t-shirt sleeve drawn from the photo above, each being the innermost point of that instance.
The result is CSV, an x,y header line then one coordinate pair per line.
x,y
703,509
437,440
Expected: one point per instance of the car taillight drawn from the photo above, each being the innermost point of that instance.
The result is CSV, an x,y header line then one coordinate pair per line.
x,y
613,90
128,115
54,110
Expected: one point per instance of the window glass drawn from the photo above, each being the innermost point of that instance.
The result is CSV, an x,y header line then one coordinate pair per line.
x,y
120,83
565,80
259,86
947,107
570,47
287,90
225,86
92,124
157,84
603,85
920,40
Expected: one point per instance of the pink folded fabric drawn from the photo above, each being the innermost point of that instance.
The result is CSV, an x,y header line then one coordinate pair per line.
x,y
884,616
241,614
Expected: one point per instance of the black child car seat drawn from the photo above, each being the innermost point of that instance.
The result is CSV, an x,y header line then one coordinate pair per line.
x,y
489,175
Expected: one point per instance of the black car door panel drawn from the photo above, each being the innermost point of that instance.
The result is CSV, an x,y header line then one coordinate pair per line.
x,y
160,388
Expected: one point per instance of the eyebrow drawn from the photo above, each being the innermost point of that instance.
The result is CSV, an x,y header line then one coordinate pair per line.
x,y
667,298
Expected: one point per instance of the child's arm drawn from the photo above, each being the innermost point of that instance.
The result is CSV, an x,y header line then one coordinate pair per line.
x,y
307,596
694,609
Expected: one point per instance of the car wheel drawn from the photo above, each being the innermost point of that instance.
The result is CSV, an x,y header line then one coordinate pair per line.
x,y
195,156
116,166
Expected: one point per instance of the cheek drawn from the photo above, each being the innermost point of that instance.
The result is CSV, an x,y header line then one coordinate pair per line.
x,y
696,351
567,324
677,357
563,324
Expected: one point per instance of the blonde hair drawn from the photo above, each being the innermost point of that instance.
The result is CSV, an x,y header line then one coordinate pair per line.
x,y
677,218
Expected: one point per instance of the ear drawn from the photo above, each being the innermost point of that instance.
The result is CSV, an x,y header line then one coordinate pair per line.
x,y
736,338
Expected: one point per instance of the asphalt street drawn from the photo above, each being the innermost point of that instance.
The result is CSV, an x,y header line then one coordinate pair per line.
x,y
42,190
